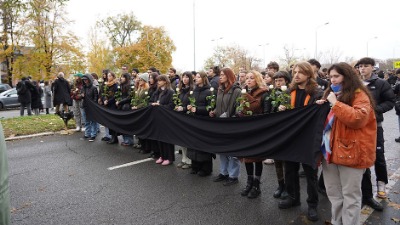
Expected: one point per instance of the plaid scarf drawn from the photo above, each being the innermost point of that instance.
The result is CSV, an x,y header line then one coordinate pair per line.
x,y
325,145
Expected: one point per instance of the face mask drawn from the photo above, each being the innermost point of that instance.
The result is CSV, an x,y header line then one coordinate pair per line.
x,y
336,88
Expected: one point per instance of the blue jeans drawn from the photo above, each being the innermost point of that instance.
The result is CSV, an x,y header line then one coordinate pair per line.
x,y
107,134
128,139
229,166
90,126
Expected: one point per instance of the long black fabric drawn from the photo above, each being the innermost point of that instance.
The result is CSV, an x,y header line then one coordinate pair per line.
x,y
292,135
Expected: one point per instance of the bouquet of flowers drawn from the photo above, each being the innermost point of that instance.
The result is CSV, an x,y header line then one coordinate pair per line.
x,y
145,100
134,98
242,104
176,99
192,102
118,94
105,91
211,100
279,97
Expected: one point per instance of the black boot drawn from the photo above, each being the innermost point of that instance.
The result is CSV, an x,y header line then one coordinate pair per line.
x,y
280,189
255,190
289,202
248,187
113,140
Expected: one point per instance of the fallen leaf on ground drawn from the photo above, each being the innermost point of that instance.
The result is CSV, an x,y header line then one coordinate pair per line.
x,y
396,220
394,205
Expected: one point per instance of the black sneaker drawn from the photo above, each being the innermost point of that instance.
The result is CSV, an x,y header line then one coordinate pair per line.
x,y
397,139
86,137
231,181
92,139
105,139
221,177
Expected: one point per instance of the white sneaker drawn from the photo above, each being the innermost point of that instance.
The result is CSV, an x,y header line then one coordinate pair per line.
x,y
78,129
381,189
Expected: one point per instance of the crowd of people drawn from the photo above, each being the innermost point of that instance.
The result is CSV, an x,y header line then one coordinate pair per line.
x,y
352,137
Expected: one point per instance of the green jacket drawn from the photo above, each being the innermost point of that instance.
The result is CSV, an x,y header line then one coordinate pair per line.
x,y
4,192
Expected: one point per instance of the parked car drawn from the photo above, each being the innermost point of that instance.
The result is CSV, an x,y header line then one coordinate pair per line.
x,y
9,99
4,87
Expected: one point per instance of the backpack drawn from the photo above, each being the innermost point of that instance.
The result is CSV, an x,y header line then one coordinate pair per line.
x,y
22,89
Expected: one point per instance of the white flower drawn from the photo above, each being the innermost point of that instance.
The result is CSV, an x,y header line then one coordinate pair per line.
x,y
284,88
132,87
136,92
243,91
177,89
146,93
211,89
191,92
118,87
106,83
271,86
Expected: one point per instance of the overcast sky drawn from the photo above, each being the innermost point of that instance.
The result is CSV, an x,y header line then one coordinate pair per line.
x,y
250,23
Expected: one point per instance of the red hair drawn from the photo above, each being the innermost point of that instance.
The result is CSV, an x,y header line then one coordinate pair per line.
x,y
230,75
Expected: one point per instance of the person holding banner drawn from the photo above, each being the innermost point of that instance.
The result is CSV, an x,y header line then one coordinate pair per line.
x,y
185,90
228,92
304,91
349,142
201,161
253,94
163,97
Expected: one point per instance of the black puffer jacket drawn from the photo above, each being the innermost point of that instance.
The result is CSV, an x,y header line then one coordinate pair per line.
x,y
397,93
383,95
200,94
184,97
164,97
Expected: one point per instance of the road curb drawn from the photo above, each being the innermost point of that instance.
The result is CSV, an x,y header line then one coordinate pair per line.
x,y
36,135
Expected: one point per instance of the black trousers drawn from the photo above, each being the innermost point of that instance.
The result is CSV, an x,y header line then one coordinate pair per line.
x,y
293,182
205,166
380,167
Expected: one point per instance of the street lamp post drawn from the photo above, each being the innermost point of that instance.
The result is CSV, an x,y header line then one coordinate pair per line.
x,y
316,38
264,52
217,39
368,43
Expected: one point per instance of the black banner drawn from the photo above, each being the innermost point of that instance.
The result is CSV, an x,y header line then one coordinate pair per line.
x,y
292,135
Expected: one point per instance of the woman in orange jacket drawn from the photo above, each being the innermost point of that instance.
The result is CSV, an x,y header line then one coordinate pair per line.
x,y
349,142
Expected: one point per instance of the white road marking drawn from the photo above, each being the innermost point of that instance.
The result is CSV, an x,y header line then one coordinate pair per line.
x,y
130,164
392,181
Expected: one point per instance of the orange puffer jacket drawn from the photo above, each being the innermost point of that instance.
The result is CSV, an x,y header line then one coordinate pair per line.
x,y
353,137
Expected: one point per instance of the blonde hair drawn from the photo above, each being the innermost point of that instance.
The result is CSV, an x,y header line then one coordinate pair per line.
x,y
258,77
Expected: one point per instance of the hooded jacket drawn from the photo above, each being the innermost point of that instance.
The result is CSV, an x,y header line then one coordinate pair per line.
x,y
89,91
383,95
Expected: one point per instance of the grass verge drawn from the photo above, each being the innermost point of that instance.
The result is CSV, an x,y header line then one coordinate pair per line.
x,y
26,125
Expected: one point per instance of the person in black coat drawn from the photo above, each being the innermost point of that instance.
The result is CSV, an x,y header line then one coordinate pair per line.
x,y
124,104
185,89
148,145
24,88
108,100
163,97
36,96
61,93
89,93
384,99
201,161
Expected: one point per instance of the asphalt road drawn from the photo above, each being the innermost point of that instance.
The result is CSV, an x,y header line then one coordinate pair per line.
x,y
63,179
